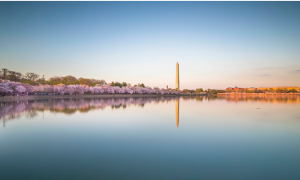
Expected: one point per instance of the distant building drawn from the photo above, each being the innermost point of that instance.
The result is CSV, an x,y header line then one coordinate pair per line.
x,y
263,88
280,87
251,89
235,89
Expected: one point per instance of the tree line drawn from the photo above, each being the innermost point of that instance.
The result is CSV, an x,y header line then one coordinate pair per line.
x,y
35,79
17,76
270,90
124,84
199,90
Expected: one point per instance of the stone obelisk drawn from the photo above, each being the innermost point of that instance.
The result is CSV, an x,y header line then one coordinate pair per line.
x,y
177,77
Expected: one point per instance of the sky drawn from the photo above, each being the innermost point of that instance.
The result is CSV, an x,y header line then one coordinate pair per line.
x,y
217,44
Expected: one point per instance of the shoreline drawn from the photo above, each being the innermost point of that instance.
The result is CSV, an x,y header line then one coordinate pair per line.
x,y
42,97
47,97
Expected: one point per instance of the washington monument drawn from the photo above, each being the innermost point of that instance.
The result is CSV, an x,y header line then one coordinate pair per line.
x,y
177,77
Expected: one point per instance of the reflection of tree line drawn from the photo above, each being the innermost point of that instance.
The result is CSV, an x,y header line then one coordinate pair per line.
x,y
199,98
289,99
267,99
14,110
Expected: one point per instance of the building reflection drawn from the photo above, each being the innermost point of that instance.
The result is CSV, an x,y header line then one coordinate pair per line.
x,y
177,111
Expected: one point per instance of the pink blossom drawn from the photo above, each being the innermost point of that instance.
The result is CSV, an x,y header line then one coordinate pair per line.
x,y
4,88
80,89
20,89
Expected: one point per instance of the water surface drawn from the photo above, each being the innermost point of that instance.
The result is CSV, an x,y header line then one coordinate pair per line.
x,y
151,138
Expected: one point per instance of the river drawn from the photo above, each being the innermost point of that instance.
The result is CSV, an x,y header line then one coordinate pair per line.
x,y
151,138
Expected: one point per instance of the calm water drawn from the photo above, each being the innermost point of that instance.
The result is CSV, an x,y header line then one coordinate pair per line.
x,y
151,138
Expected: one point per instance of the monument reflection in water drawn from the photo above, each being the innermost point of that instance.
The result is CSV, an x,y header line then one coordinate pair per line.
x,y
177,111
244,137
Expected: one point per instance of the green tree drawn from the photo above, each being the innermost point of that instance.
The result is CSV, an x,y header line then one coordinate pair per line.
x,y
241,90
278,90
260,91
221,91
186,91
293,90
70,80
18,76
4,72
42,81
31,76
118,84
282,90
11,75
55,80
97,81
112,84
212,91
33,83
142,85
199,90
85,81
124,84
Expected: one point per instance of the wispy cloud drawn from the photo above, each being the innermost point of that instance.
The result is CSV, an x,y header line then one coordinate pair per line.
x,y
296,71
265,75
297,118
269,68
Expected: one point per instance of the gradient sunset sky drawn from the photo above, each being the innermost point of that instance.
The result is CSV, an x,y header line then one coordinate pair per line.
x,y
217,44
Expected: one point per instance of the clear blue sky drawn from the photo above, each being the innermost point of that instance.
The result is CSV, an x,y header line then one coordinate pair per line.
x,y
217,44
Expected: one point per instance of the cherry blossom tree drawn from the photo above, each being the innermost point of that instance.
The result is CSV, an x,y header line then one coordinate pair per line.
x,y
36,89
117,89
59,90
108,89
13,85
81,89
69,90
20,89
128,90
96,90
28,88
5,88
